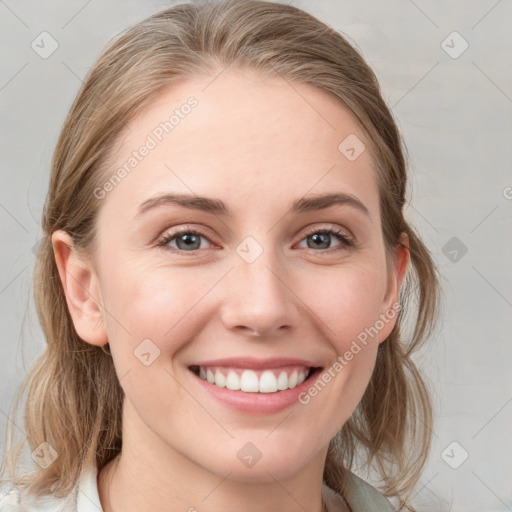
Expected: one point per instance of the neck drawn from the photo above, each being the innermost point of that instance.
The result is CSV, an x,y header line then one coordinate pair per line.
x,y
147,476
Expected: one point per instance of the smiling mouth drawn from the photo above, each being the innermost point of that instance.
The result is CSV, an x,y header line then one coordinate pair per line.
x,y
254,381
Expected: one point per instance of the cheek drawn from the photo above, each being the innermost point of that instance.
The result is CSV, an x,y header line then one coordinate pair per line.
x,y
348,301
349,307
151,317
148,303
162,304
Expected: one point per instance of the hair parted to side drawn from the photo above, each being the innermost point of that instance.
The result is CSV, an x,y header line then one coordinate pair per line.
x,y
74,399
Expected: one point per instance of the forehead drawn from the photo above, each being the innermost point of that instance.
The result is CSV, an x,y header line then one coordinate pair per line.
x,y
251,140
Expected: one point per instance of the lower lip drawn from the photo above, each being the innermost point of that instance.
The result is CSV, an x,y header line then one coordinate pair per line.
x,y
257,403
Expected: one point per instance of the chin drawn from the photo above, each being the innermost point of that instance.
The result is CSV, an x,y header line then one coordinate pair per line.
x,y
262,461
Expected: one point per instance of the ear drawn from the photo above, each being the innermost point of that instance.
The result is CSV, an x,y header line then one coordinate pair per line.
x,y
397,270
81,287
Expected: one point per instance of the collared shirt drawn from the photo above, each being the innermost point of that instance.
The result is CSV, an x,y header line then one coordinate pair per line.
x,y
359,496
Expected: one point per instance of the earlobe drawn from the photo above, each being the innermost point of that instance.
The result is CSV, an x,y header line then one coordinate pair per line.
x,y
81,288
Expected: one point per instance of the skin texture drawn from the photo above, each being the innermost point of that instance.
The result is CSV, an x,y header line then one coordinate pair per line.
x,y
257,144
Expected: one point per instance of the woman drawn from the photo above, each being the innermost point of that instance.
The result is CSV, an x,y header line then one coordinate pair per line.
x,y
223,277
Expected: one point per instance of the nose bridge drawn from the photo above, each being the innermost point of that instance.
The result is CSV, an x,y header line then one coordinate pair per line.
x,y
258,297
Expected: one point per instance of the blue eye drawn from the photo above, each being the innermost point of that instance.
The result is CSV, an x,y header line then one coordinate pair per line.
x,y
189,240
186,238
324,236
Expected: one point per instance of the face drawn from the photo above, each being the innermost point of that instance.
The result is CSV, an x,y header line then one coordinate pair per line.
x,y
266,293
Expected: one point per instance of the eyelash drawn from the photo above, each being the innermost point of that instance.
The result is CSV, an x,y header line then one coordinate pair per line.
x,y
346,241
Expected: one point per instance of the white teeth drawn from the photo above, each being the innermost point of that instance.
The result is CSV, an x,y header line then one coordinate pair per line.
x,y
220,380
282,381
248,381
268,382
233,381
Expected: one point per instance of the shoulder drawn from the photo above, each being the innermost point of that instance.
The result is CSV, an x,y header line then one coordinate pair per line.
x,y
9,499
359,495
82,496
12,500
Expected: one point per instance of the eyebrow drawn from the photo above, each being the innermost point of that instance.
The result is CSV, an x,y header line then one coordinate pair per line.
x,y
218,207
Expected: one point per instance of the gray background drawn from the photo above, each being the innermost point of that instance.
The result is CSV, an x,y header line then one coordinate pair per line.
x,y
455,113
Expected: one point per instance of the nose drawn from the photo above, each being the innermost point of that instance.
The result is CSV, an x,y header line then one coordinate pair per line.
x,y
259,299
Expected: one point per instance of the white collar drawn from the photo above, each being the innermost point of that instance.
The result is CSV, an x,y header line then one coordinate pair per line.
x,y
88,499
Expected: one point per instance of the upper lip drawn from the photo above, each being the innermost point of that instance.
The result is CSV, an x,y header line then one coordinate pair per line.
x,y
257,364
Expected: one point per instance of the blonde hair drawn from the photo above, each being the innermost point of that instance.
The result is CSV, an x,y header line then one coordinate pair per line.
x,y
74,399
